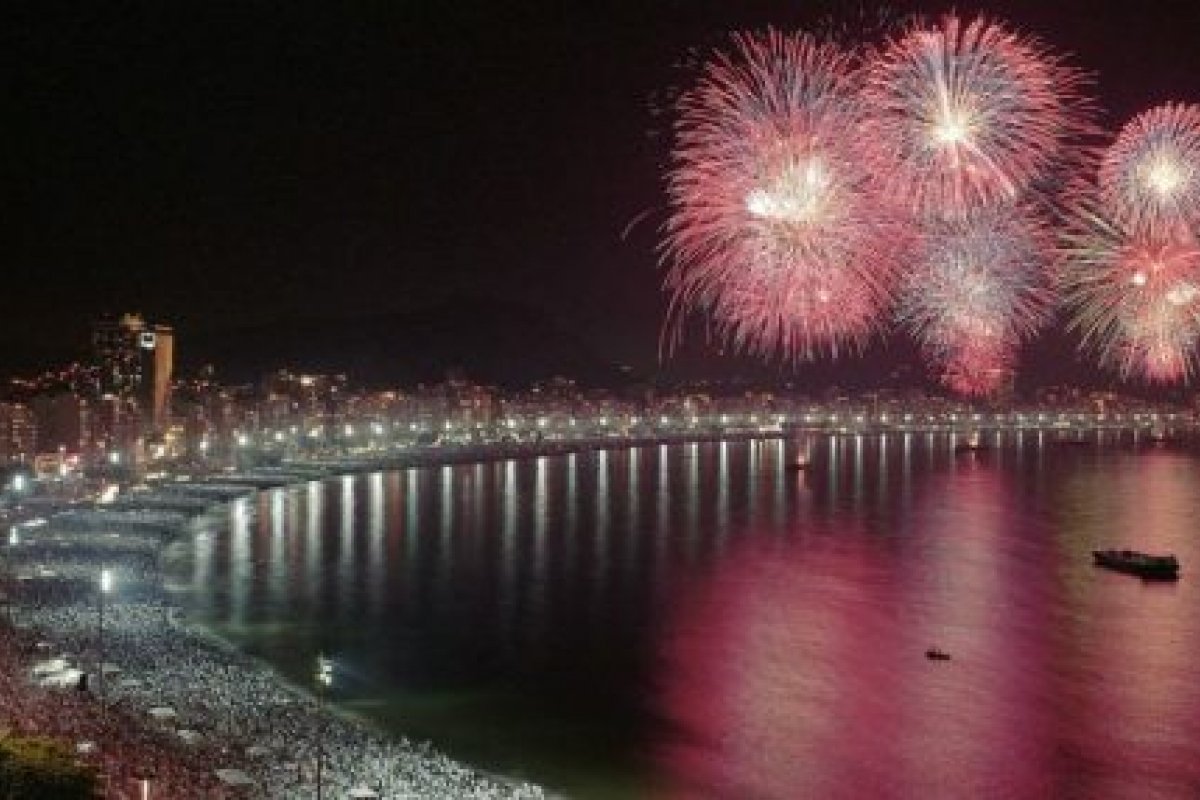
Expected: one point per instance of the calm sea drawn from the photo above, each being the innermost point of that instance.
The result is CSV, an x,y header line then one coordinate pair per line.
x,y
697,621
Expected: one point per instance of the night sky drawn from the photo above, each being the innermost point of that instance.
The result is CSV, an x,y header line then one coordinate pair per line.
x,y
220,165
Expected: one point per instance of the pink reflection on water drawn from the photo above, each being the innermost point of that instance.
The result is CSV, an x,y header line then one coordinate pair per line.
x,y
1139,728
758,656
797,669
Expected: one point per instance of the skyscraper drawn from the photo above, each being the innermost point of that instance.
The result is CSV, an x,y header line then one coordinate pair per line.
x,y
115,342
161,349
136,361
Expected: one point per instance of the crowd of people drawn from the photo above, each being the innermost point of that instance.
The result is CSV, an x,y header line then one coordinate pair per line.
x,y
161,701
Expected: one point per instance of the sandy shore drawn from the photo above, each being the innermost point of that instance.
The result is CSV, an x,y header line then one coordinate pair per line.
x,y
227,710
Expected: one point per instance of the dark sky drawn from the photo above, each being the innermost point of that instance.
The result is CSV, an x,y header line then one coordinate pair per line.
x,y
219,164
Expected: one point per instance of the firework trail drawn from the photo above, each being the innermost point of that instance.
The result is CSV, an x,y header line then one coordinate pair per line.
x,y
777,229
970,114
1134,294
978,288
1150,177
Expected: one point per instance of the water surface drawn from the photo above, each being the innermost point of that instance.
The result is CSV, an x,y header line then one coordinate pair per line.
x,y
696,621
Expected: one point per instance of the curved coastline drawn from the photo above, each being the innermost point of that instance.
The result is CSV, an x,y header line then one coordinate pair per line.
x,y
215,639
213,510
73,640
424,459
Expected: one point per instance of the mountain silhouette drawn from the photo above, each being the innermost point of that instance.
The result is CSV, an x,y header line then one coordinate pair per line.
x,y
503,343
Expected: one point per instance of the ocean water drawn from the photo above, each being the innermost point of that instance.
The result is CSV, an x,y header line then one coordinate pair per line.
x,y
697,621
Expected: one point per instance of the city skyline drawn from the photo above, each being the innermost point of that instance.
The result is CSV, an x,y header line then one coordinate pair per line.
x,y
229,172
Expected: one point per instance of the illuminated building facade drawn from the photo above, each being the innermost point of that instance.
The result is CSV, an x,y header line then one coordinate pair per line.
x,y
135,363
18,433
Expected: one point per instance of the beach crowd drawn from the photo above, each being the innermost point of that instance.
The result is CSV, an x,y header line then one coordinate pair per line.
x,y
163,709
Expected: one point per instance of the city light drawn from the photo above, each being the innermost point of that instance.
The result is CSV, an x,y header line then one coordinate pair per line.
x,y
324,671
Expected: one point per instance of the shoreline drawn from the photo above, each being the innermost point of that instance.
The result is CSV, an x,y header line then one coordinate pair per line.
x,y
204,638
34,619
211,637
171,620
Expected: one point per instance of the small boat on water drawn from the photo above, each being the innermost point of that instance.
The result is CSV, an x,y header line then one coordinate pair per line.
x,y
803,459
1140,564
973,444
934,654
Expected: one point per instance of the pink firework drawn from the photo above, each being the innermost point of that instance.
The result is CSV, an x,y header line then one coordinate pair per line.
x,y
1135,295
979,371
764,311
970,113
777,227
1150,177
978,288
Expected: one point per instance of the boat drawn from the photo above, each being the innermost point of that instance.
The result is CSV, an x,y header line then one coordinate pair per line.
x,y
934,654
1140,564
803,459
973,444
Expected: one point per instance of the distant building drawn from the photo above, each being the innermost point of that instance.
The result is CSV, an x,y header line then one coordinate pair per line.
x,y
115,343
18,433
135,362
162,346
117,424
63,422
311,398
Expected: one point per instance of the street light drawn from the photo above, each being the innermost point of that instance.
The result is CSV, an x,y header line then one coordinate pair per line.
x,y
143,778
324,680
106,584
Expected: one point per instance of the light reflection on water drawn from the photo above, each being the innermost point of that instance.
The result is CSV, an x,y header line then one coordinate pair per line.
x,y
696,621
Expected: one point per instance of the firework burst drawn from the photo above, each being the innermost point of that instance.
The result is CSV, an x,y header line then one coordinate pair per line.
x,y
1150,177
777,228
978,371
1135,295
970,113
978,289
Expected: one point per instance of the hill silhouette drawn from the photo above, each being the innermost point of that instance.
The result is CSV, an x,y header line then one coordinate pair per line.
x,y
504,343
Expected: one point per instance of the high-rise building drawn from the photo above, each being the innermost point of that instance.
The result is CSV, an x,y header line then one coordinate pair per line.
x,y
18,433
161,347
136,361
115,342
